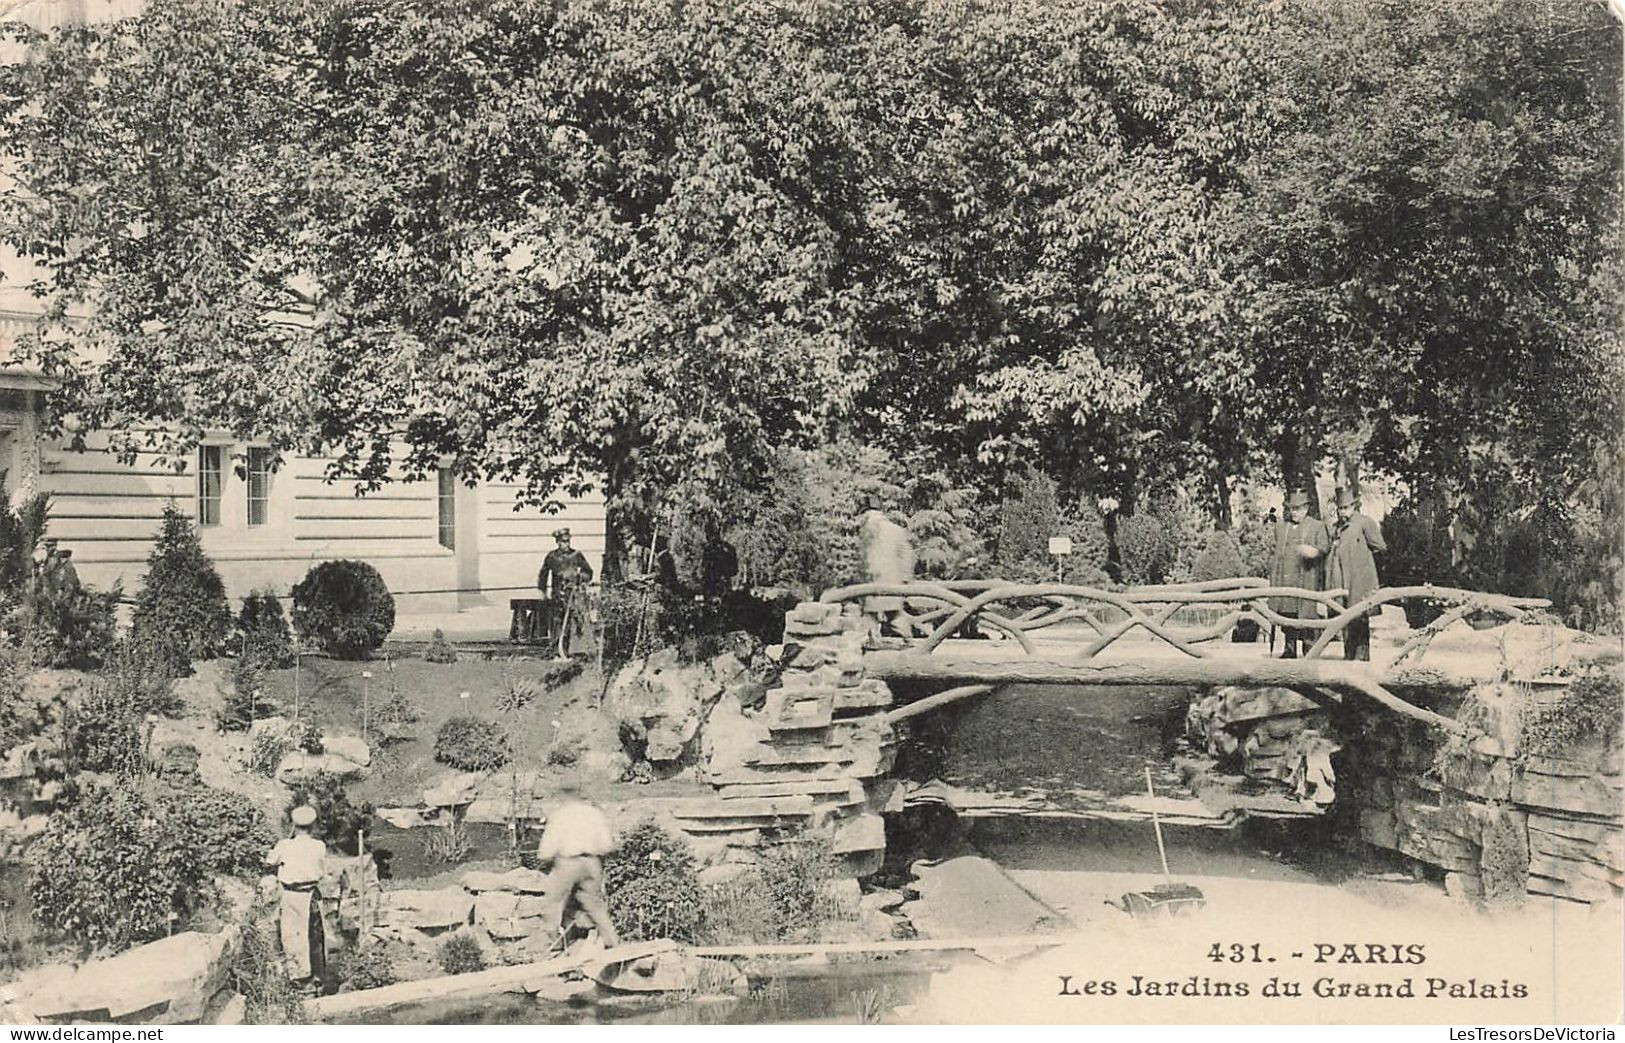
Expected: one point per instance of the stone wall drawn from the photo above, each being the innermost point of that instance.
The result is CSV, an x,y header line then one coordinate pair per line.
x,y
1499,820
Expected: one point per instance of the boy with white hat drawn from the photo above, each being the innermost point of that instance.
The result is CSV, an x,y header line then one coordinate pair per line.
x,y
299,861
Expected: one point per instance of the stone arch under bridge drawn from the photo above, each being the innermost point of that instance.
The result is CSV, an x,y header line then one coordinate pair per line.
x,y
821,750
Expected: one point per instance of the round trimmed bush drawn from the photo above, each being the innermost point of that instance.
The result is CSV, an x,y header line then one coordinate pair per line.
x,y
471,744
345,607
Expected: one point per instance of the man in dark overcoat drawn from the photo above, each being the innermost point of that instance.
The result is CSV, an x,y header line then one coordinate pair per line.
x,y
563,581
1301,546
1353,567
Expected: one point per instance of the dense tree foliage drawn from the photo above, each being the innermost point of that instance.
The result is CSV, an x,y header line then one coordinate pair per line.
x,y
664,249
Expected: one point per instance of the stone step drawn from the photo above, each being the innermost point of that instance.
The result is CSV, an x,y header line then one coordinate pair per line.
x,y
761,807
776,774
851,789
712,828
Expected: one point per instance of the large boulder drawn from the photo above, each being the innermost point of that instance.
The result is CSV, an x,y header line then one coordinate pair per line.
x,y
300,765
514,881
352,748
660,703
174,981
426,910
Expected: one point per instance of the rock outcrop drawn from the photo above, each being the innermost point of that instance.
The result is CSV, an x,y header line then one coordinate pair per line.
x,y
179,980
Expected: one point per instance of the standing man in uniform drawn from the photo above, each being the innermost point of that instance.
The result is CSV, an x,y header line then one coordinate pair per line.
x,y
1354,568
299,862
563,581
1301,546
575,841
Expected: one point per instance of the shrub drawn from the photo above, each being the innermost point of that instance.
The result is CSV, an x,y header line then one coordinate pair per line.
x,y
345,607
258,973
337,819
229,832
143,673
1145,548
181,611
565,753
394,717
1591,708
20,717
262,631
105,730
461,954
245,700
795,878
179,765
440,650
471,744
266,750
369,968
1220,558
654,889
308,737
111,870
75,627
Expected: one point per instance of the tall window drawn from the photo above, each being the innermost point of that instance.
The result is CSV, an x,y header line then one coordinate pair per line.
x,y
259,485
448,508
208,484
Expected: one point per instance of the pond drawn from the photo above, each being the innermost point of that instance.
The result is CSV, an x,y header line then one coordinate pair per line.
x,y
843,994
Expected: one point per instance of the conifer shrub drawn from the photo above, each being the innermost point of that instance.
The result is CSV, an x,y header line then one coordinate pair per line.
x,y
471,744
344,607
440,650
74,627
262,631
1146,548
181,612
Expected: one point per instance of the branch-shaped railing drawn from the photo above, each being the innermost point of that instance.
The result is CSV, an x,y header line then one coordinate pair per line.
x,y
938,610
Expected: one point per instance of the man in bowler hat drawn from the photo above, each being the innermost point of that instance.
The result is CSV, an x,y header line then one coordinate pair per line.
x,y
1353,567
1301,546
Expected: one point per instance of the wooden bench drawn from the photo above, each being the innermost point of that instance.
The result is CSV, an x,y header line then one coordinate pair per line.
x,y
529,623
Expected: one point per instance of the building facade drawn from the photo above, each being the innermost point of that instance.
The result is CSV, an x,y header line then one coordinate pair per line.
x,y
440,545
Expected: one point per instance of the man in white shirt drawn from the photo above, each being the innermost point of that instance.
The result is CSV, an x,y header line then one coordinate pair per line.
x,y
575,840
299,862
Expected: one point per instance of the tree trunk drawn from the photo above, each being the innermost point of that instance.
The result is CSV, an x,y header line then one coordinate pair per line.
x,y
1298,465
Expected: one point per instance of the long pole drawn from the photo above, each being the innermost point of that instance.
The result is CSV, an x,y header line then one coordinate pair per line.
x,y
1156,823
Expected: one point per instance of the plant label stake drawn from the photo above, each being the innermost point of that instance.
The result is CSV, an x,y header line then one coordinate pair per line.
x,y
366,676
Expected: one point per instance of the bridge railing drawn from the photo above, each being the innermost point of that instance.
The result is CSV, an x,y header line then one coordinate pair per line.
x,y
1182,615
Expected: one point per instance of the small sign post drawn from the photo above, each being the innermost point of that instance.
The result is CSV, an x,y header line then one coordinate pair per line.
x,y
1060,547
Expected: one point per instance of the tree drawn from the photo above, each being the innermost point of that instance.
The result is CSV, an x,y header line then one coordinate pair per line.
x,y
1431,238
181,613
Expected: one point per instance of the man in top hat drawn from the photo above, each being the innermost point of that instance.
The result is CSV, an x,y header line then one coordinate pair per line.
x,y
1301,546
299,862
575,841
563,581
1354,568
